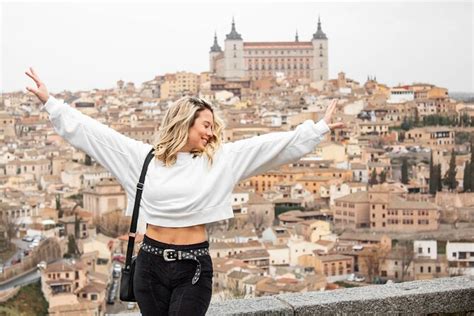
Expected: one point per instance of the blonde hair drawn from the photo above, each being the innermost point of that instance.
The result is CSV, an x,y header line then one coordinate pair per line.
x,y
174,130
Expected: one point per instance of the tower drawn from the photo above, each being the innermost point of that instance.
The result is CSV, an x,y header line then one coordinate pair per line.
x,y
320,54
234,55
214,52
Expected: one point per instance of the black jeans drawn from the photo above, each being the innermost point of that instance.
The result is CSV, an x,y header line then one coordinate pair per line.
x,y
164,287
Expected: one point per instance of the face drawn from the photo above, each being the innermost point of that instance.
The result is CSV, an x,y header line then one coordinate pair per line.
x,y
201,133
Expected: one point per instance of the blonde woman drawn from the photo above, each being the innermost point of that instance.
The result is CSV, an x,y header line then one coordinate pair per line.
x,y
188,184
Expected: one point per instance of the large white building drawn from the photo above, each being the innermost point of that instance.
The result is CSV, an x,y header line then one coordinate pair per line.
x,y
256,60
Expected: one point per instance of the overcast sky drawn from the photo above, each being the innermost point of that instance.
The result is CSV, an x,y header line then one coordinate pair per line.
x,y
81,46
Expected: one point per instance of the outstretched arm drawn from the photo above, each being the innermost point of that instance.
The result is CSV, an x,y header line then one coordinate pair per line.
x,y
258,154
121,155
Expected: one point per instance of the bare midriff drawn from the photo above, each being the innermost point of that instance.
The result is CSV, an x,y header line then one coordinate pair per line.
x,y
178,235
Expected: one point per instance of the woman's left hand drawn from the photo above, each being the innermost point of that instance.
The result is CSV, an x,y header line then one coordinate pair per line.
x,y
328,115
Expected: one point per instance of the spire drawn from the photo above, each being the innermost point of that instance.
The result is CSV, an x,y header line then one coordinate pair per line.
x,y
215,47
233,35
319,33
296,36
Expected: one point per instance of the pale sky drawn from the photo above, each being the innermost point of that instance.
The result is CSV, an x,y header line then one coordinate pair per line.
x,y
81,46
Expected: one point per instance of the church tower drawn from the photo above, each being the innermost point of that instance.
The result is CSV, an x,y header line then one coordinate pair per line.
x,y
215,51
320,54
234,55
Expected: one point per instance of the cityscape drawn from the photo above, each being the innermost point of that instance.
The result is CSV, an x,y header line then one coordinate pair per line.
x,y
386,199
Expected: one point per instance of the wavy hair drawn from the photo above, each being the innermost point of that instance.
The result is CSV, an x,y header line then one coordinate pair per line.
x,y
174,130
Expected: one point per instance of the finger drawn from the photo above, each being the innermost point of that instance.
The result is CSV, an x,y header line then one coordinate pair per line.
x,y
336,125
32,90
34,73
35,76
32,77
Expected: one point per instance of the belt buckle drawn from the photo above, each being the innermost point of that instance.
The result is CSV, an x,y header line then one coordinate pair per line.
x,y
166,252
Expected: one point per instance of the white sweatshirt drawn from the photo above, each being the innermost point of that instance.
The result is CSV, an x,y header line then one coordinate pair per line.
x,y
189,192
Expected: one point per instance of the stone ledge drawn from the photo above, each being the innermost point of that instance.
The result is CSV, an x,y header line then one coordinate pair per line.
x,y
446,295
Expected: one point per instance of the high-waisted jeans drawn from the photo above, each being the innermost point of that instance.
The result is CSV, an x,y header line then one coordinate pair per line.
x,y
164,287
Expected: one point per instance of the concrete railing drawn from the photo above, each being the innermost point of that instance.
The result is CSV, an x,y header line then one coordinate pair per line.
x,y
446,295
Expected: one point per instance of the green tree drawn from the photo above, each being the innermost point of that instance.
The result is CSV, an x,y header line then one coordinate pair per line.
x,y
439,180
404,171
401,136
417,118
88,160
466,181
72,250
405,124
373,177
432,180
58,206
383,176
472,162
450,177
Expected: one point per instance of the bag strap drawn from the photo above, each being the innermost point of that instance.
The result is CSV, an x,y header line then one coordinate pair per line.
x,y
138,197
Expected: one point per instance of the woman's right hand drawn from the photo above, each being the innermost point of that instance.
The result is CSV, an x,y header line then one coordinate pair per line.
x,y
41,92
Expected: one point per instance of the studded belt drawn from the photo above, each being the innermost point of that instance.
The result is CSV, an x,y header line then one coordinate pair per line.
x,y
173,254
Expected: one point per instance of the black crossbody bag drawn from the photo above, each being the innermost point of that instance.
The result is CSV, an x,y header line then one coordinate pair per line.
x,y
126,280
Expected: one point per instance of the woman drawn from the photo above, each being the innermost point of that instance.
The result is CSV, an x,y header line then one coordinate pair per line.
x,y
188,185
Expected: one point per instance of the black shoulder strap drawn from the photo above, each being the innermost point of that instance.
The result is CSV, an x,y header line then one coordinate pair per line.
x,y
138,197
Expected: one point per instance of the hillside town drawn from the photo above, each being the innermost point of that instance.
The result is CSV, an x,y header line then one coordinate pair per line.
x,y
387,198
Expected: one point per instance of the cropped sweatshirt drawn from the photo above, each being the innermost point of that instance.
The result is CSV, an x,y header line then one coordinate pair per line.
x,y
190,192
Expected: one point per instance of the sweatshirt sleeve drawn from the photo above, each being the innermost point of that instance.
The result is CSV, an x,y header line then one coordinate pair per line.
x,y
251,156
119,154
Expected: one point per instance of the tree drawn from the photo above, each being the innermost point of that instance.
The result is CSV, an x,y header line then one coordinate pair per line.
x,y
114,224
401,136
417,118
407,255
373,177
404,171
72,249
432,182
472,161
257,219
466,183
88,160
439,182
450,177
405,124
383,176
58,206
372,259
10,228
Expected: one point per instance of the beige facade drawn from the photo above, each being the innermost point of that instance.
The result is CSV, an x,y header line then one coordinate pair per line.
x,y
431,136
352,210
105,196
335,267
35,167
258,60
394,213
179,84
331,151
7,125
